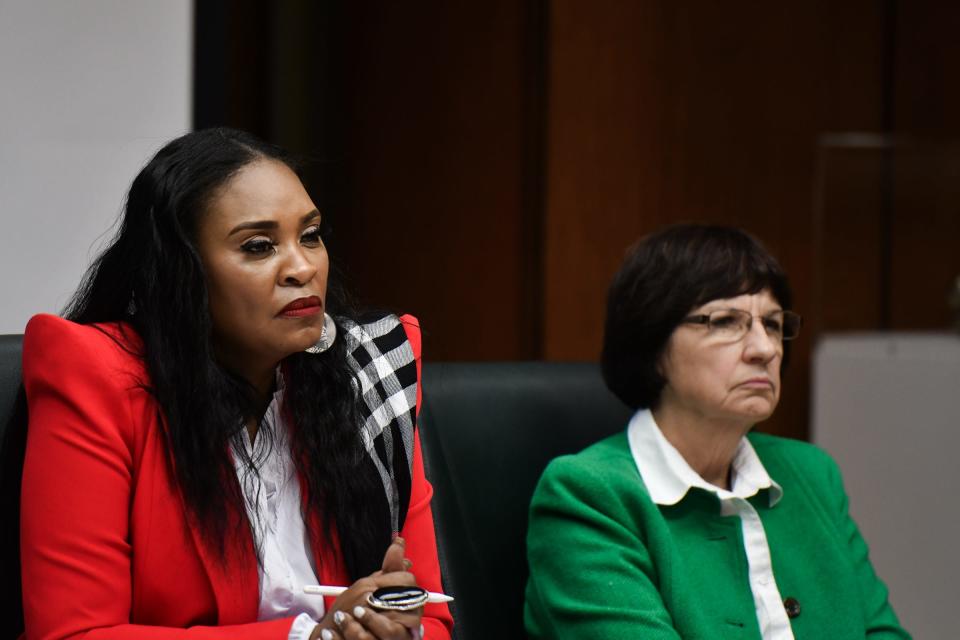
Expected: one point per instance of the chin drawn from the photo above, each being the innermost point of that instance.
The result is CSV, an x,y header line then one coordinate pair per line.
x,y
757,410
311,333
760,414
306,344
301,341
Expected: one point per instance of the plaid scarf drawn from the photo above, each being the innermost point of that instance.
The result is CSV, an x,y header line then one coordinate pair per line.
x,y
386,372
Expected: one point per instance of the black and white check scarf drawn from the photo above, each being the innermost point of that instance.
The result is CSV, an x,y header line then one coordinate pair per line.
x,y
386,371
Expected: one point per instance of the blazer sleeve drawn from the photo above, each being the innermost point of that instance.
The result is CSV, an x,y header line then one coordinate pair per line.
x,y
590,573
418,528
77,479
879,617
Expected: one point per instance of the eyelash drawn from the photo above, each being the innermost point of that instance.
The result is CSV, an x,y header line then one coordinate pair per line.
x,y
312,236
257,247
315,233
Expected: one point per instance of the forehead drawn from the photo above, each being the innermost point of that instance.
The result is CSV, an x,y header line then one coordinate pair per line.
x,y
262,190
760,302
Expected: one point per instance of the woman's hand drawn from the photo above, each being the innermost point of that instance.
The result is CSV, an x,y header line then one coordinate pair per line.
x,y
351,618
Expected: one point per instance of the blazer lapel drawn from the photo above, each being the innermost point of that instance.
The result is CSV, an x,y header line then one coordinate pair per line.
x,y
234,578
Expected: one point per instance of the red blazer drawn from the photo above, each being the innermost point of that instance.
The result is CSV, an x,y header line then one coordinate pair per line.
x,y
106,549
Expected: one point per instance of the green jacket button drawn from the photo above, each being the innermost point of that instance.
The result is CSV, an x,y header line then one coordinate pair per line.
x,y
792,605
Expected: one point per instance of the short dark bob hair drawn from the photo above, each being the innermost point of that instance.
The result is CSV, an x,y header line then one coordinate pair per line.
x,y
665,276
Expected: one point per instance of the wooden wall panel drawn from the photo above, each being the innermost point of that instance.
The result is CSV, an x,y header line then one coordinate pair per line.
x,y
847,289
434,129
601,128
925,251
486,165
663,112
926,95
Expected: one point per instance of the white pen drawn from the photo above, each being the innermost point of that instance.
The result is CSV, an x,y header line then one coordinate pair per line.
x,y
328,590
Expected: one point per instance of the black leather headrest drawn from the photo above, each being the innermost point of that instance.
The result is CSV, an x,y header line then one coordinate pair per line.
x,y
10,350
13,433
488,430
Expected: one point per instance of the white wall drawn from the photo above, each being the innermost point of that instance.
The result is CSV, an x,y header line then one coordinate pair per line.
x,y
885,407
88,90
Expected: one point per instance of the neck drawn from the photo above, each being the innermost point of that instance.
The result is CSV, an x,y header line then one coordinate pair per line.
x,y
707,445
261,375
263,384
264,392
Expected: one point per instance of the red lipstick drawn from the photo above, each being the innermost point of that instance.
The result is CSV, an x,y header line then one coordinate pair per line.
x,y
302,307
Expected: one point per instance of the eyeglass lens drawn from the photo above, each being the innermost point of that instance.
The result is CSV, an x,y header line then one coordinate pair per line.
x,y
734,323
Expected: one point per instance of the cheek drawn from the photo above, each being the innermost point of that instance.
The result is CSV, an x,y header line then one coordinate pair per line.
x,y
717,377
694,376
713,377
236,293
323,271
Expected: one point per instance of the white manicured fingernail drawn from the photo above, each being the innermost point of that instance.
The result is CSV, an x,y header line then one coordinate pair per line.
x,y
338,617
326,634
359,612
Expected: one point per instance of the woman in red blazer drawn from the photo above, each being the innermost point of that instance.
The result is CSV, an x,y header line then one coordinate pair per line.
x,y
209,432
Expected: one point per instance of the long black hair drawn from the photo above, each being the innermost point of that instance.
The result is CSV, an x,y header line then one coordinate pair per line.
x,y
151,278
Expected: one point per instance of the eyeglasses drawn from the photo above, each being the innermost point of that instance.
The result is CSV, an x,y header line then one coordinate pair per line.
x,y
733,324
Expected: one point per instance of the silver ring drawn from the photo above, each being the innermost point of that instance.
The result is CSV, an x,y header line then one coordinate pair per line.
x,y
398,598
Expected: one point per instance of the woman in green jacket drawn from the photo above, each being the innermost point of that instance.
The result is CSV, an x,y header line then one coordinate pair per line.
x,y
687,525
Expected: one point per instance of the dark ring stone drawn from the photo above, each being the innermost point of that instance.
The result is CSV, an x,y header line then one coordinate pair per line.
x,y
398,598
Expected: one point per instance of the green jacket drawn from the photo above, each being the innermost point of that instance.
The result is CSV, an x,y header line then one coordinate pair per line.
x,y
608,563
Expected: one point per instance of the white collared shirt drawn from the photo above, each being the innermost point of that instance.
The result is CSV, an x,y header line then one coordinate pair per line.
x,y
668,478
272,500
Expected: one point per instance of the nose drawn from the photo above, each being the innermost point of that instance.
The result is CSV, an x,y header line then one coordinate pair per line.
x,y
298,268
759,346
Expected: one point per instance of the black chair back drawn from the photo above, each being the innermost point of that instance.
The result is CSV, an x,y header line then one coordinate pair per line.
x,y
488,430
13,440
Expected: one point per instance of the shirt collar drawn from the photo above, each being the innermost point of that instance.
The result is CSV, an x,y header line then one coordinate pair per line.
x,y
669,478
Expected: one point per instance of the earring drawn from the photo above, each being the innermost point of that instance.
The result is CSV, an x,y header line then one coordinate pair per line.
x,y
327,336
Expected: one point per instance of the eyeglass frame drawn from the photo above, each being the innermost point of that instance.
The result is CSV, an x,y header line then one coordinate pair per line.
x,y
704,319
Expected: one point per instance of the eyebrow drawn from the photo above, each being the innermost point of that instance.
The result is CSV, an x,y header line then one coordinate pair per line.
x,y
270,224
708,310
